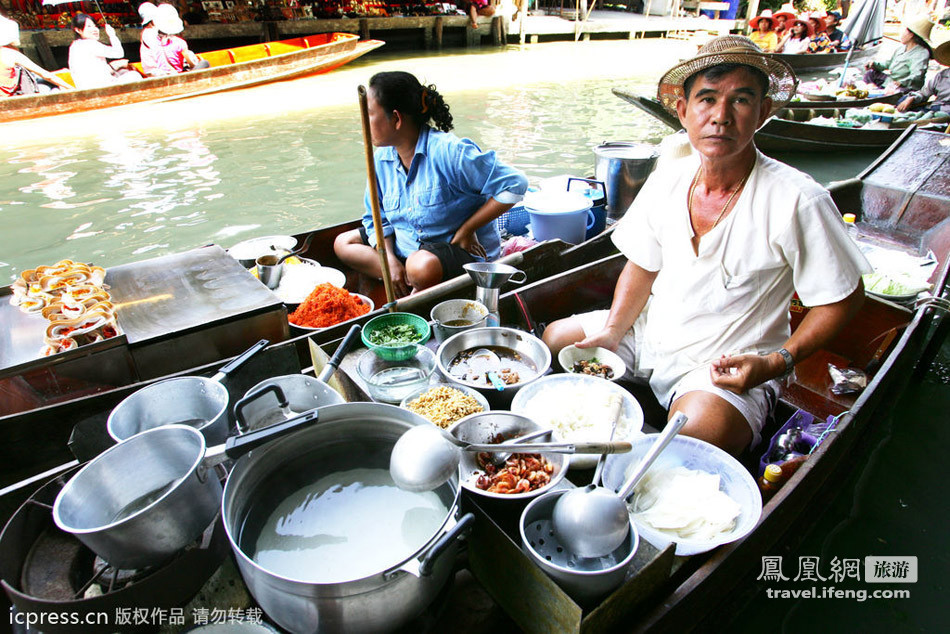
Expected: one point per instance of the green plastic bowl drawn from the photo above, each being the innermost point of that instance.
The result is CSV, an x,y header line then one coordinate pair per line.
x,y
402,352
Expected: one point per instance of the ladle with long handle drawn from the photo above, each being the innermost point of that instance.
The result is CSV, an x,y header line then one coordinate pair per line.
x,y
426,456
301,249
593,521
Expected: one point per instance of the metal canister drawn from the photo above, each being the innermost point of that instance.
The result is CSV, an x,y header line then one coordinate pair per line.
x,y
624,167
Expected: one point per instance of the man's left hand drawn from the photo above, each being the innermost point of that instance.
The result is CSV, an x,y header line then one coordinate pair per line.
x,y
469,241
743,372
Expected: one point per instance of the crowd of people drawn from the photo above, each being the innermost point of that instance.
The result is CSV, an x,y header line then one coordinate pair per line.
x,y
786,31
93,64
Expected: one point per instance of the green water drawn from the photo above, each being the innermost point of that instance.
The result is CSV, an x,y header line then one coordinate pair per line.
x,y
118,186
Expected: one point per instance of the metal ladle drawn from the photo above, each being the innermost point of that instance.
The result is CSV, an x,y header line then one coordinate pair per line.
x,y
593,521
426,456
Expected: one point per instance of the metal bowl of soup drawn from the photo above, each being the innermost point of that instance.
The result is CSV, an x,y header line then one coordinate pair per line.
x,y
522,359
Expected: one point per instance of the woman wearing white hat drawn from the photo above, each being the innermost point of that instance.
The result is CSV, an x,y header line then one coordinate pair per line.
x,y
169,54
16,68
908,65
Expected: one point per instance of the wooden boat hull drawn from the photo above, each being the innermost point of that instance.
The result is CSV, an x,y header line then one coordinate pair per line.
x,y
780,135
826,61
339,49
807,104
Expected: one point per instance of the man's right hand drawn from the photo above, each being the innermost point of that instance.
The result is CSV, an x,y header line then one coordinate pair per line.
x,y
607,338
905,105
397,275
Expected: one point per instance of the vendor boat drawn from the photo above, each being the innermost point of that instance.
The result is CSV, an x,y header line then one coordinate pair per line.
x,y
904,202
231,69
782,133
815,62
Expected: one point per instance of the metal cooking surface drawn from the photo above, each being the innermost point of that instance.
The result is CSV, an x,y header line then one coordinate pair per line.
x,y
178,292
21,337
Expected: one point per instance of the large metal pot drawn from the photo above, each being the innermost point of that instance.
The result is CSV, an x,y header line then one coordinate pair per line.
x,y
148,497
192,400
623,166
525,344
348,436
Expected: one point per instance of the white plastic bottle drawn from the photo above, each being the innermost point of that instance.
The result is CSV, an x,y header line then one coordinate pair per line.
x,y
851,224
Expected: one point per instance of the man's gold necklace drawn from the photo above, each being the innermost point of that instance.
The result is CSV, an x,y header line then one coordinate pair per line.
x,y
732,196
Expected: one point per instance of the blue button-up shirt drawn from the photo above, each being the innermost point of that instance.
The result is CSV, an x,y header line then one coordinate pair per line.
x,y
448,180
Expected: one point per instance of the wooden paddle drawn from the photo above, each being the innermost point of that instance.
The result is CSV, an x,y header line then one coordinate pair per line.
x,y
374,200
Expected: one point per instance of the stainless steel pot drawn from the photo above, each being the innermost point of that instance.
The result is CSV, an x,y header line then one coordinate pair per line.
x,y
348,436
623,167
525,344
148,497
191,400
475,313
292,393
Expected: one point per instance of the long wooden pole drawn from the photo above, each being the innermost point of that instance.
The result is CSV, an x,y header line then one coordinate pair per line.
x,y
374,200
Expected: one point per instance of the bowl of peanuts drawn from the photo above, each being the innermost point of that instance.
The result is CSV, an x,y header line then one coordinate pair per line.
x,y
445,404
521,476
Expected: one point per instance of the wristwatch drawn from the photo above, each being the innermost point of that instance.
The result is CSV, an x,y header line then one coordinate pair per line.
x,y
789,362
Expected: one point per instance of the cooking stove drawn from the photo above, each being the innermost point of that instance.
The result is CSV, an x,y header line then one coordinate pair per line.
x,y
45,570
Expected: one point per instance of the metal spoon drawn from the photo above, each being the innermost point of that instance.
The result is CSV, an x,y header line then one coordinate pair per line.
x,y
484,361
299,250
594,521
426,456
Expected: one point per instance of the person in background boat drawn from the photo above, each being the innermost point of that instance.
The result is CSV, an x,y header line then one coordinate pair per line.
x,y
938,86
839,40
797,39
19,75
439,195
717,243
763,34
475,8
908,65
783,19
820,42
88,56
148,38
164,53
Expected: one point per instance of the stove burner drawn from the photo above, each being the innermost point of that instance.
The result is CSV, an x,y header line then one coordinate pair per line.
x,y
45,570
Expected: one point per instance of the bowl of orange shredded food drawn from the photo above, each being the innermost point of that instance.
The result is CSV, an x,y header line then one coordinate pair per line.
x,y
327,305
523,475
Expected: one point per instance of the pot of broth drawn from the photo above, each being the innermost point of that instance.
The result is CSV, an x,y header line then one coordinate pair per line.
x,y
324,539
457,315
491,358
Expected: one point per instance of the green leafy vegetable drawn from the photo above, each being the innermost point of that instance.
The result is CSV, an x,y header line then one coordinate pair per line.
x,y
393,335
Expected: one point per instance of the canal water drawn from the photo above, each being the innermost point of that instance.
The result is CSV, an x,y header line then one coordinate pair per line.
x,y
116,186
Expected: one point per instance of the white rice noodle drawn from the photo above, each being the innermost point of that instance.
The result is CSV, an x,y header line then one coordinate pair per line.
x,y
685,504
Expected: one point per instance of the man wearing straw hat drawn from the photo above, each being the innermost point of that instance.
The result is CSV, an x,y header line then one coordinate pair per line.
x,y
938,86
718,242
908,65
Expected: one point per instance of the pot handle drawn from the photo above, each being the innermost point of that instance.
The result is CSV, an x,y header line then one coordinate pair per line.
x,y
591,220
240,360
237,446
250,397
340,352
514,279
423,567
589,181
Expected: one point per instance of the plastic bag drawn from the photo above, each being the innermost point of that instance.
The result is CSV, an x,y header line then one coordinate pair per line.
x,y
847,380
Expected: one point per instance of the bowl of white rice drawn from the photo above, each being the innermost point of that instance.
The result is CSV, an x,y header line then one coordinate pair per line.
x,y
580,408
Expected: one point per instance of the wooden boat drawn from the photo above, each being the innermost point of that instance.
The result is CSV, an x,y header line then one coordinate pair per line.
x,y
902,206
822,101
231,69
783,135
826,61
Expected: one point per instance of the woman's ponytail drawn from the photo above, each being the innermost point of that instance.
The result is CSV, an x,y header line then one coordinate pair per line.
x,y
401,91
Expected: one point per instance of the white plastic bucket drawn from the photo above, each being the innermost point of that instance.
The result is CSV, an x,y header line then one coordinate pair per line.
x,y
559,215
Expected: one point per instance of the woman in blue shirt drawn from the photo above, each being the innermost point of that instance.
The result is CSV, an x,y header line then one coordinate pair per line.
x,y
439,195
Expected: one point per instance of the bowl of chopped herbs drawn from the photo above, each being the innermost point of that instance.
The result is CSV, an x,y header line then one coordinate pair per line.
x,y
393,336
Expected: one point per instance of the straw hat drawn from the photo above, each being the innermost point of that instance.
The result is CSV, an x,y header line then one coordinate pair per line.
x,y
920,25
729,49
166,19
942,48
147,12
9,32
767,15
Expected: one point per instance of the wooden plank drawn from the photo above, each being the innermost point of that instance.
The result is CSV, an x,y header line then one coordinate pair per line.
x,y
437,32
364,29
44,51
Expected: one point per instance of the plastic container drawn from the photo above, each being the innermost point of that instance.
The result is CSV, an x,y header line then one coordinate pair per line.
x,y
850,221
593,189
399,352
390,381
698,455
559,216
770,482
